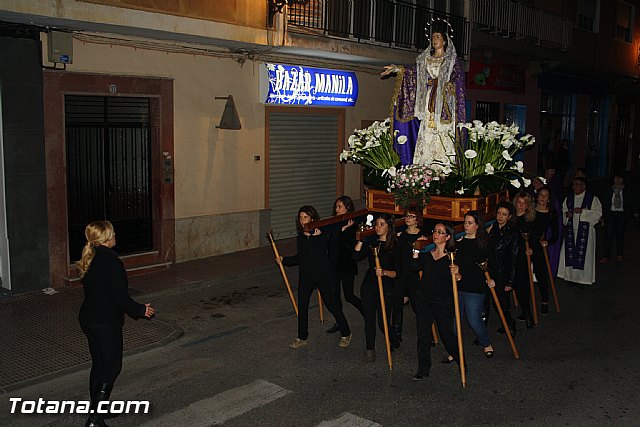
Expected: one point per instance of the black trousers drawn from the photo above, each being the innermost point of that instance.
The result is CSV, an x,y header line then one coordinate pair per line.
x,y
443,312
105,346
327,290
522,288
346,280
615,225
541,271
372,308
405,286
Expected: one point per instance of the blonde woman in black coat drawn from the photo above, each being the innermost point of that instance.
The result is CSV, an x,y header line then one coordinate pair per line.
x,y
106,300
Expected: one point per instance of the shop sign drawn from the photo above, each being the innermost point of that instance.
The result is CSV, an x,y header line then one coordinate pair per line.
x,y
299,85
503,77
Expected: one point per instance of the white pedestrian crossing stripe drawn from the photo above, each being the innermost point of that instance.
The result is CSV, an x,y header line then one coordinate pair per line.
x,y
349,420
223,406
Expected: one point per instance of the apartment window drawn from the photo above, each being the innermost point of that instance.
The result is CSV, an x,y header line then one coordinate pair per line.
x,y
588,14
624,23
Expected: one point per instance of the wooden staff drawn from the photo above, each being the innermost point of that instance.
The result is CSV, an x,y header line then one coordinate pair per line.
x,y
515,298
551,281
456,304
320,307
284,274
484,266
525,236
384,310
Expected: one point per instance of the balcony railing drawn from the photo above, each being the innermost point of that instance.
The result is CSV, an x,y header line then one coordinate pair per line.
x,y
510,19
392,23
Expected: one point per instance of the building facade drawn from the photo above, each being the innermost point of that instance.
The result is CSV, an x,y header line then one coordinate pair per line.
x,y
153,114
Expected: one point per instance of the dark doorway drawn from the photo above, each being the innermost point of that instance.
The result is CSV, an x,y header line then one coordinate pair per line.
x,y
108,147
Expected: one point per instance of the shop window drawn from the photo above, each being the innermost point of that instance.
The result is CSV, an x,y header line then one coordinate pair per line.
x,y
557,129
487,111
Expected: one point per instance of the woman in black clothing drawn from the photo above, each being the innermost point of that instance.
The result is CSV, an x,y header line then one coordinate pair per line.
x,y
104,280
434,297
470,251
389,258
346,266
315,271
525,218
503,253
407,283
545,233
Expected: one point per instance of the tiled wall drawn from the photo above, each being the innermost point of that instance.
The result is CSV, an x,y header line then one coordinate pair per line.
x,y
24,162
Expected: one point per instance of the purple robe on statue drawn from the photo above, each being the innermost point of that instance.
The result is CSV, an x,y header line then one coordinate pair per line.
x,y
407,94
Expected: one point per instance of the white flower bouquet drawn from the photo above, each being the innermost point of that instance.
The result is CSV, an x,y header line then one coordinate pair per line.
x,y
410,185
372,147
485,158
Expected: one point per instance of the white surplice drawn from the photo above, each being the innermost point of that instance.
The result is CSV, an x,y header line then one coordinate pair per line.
x,y
592,216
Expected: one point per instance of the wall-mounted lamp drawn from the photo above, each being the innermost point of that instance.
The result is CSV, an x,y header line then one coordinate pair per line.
x,y
230,119
276,6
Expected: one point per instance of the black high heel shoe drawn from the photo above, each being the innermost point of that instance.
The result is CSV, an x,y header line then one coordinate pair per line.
x,y
447,360
488,353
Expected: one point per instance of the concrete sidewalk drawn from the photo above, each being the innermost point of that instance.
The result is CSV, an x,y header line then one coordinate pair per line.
x,y
41,337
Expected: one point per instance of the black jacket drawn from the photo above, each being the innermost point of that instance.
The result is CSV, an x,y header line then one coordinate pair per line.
x,y
389,260
503,253
105,292
313,258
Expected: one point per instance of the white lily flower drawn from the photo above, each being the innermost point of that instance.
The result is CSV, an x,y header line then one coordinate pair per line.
x,y
470,154
391,171
526,181
446,170
402,139
352,141
460,191
519,166
543,180
506,155
489,169
369,220
515,183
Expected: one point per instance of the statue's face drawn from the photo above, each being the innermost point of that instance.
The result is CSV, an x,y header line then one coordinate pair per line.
x,y
437,41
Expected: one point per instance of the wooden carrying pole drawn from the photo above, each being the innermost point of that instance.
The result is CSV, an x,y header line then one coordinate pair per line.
x,y
456,304
484,265
551,281
532,290
333,220
284,274
320,307
384,310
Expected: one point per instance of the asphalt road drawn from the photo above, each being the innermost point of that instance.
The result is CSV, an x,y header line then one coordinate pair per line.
x,y
233,366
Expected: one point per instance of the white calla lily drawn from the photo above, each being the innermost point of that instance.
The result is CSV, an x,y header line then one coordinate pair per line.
x,y
470,154
515,183
489,169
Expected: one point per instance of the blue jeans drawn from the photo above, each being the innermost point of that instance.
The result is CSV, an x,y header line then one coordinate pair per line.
x,y
471,305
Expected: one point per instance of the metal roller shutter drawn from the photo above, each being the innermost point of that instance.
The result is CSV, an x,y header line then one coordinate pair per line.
x,y
302,167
